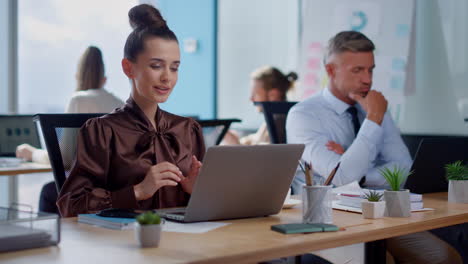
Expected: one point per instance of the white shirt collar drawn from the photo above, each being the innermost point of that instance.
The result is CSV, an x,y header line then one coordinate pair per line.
x,y
336,104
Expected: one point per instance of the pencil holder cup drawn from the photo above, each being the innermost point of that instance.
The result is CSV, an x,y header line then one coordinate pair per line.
x,y
317,204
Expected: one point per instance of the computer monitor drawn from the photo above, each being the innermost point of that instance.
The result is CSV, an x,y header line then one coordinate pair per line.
x,y
16,130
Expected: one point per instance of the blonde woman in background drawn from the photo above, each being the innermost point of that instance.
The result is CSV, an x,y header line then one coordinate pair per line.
x,y
268,84
89,97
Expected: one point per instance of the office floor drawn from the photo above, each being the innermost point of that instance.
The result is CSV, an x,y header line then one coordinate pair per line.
x,y
352,254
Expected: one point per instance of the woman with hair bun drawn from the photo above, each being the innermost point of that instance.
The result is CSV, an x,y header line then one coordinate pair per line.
x,y
139,156
268,84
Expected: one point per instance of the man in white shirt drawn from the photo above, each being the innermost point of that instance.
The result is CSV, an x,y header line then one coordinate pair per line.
x,y
347,124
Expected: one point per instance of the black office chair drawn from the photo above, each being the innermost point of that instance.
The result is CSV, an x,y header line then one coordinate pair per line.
x,y
275,114
214,130
412,141
60,132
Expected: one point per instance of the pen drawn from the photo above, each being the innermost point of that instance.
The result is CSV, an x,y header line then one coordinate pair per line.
x,y
332,174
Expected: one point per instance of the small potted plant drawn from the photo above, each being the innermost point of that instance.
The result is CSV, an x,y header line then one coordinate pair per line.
x,y
457,175
397,200
148,229
373,206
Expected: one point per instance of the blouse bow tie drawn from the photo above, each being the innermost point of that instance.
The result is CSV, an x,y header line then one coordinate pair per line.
x,y
149,137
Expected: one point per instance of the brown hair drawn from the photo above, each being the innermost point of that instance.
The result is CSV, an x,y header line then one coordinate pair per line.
x,y
146,22
273,78
352,41
90,70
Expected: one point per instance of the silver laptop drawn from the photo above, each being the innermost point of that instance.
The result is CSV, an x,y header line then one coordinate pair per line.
x,y
240,182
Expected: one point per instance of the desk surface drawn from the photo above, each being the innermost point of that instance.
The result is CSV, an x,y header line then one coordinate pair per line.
x,y
245,240
25,168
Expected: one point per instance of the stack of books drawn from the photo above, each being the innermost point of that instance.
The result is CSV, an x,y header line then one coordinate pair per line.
x,y
353,199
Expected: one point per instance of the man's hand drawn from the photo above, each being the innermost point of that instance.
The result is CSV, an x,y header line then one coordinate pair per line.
x,y
374,104
191,177
335,147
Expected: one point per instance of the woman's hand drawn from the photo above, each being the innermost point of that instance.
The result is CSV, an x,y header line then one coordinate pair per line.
x,y
25,151
191,177
159,175
231,138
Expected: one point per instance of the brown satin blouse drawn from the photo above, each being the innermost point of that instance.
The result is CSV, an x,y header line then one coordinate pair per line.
x,y
114,153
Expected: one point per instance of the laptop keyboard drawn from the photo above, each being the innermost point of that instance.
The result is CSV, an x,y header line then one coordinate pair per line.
x,y
177,214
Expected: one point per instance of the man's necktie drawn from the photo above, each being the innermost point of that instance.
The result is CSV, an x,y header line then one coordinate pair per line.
x,y
354,118
353,111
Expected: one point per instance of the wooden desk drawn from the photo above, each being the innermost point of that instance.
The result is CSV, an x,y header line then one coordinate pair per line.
x,y
246,240
25,168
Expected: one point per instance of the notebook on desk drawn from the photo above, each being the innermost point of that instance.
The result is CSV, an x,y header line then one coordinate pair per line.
x,y
240,182
431,157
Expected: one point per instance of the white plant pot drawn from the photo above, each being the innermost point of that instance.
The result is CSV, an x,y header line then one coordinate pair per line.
x,y
458,191
148,235
397,203
373,210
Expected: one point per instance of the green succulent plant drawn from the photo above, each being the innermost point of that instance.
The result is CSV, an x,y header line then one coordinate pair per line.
x,y
373,196
456,171
395,177
148,218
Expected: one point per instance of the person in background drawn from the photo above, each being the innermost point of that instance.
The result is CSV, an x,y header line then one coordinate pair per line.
x,y
89,97
139,156
348,123
267,84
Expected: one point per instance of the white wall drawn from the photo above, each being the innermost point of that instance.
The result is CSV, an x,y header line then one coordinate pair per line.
x,y
441,69
252,34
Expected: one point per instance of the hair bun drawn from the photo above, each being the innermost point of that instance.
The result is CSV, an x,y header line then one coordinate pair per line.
x,y
292,76
144,15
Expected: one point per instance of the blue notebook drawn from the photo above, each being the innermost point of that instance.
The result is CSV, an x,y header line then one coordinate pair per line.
x,y
107,222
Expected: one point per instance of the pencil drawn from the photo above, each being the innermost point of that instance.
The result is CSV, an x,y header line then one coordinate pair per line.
x,y
308,174
332,174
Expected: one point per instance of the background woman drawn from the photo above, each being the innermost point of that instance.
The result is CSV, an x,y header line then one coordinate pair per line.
x,y
268,84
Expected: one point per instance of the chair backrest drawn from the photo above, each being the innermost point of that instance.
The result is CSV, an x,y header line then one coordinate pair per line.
x,y
214,130
60,133
430,160
275,114
412,141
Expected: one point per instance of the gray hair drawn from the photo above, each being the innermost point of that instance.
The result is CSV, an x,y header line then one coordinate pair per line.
x,y
352,41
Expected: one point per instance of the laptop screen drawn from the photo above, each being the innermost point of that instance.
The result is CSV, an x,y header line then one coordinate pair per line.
x,y
16,130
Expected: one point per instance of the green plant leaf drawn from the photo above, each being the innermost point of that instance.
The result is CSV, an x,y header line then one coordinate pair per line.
x,y
456,171
395,176
373,196
148,218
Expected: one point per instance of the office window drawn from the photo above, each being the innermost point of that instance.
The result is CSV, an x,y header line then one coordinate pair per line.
x,y
52,36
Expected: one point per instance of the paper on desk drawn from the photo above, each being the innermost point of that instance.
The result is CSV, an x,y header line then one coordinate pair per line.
x,y
337,206
193,228
352,187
